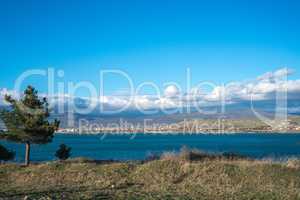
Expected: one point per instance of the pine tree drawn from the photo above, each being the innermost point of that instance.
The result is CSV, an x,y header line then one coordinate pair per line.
x,y
28,121
64,152
6,154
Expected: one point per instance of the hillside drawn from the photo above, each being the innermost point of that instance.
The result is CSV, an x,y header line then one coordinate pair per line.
x,y
168,178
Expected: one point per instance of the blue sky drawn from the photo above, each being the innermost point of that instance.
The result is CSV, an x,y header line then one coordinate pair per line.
x,y
220,41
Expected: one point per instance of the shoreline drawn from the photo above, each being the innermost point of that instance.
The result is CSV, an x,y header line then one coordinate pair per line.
x,y
181,133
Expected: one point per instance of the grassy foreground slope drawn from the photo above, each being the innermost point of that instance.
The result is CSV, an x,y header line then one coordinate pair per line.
x,y
158,179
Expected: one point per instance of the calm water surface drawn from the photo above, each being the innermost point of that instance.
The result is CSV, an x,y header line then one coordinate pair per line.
x,y
123,147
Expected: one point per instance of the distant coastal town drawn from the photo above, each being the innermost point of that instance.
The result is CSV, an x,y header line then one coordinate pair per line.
x,y
199,126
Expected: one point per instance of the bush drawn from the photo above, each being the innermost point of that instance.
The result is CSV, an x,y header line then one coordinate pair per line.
x,y
64,152
6,154
169,156
192,154
186,154
233,156
152,156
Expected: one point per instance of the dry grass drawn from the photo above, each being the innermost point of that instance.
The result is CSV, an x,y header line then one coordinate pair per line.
x,y
293,163
172,177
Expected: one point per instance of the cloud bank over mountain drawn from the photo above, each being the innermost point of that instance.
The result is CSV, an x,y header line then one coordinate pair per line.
x,y
269,86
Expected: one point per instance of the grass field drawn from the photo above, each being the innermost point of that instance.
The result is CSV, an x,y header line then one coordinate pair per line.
x,y
170,177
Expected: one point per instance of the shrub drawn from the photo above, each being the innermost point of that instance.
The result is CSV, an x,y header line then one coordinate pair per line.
x,y
152,156
194,154
169,156
6,154
186,154
64,152
232,156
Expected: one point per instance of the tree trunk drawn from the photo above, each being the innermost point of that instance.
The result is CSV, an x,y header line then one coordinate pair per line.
x,y
27,154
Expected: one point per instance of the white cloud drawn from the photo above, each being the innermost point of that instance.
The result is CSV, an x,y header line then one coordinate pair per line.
x,y
278,74
171,91
3,92
260,88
